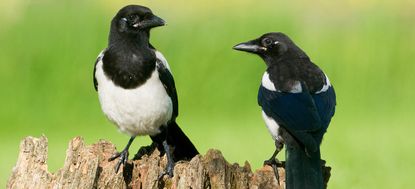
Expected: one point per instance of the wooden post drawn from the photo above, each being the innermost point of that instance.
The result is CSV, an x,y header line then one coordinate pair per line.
x,y
87,167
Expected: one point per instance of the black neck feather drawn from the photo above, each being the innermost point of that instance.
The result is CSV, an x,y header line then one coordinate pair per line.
x,y
287,69
129,60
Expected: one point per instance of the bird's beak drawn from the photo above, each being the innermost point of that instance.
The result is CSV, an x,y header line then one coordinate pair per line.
x,y
155,21
249,46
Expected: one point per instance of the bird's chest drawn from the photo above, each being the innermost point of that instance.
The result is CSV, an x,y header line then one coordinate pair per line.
x,y
137,111
128,68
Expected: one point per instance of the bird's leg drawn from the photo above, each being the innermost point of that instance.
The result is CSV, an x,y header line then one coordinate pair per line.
x,y
273,161
168,152
123,155
170,162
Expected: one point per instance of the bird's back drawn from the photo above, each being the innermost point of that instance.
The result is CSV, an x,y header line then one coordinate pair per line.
x,y
297,111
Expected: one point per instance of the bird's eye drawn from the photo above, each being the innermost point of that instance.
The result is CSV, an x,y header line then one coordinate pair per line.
x,y
267,42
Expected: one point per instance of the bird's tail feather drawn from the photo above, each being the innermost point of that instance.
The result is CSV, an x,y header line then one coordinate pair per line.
x,y
183,148
303,169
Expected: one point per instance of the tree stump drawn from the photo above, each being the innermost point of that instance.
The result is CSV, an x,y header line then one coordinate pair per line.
x,y
88,167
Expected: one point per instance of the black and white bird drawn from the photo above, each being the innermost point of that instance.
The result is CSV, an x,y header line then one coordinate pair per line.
x,y
136,88
298,102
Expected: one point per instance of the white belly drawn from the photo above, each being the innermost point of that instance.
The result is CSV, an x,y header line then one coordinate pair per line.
x,y
139,111
272,126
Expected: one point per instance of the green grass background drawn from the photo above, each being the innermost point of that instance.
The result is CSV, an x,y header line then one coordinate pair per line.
x,y
48,48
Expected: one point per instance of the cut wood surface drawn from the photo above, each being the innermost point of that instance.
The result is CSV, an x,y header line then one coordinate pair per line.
x,y
87,166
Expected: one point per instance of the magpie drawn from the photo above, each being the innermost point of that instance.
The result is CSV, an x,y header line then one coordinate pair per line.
x,y
136,88
298,102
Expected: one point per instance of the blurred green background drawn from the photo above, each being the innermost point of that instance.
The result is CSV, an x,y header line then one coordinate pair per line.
x,y
48,49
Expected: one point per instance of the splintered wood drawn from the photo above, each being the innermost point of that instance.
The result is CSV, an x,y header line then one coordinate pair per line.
x,y
88,167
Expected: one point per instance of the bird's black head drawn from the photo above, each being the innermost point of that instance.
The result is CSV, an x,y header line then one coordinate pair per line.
x,y
133,19
271,46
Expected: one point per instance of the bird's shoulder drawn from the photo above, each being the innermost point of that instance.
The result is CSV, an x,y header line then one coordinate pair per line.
x,y
166,78
162,61
273,84
287,75
99,59
280,83
313,76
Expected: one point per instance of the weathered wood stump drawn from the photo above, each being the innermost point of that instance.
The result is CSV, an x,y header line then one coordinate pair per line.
x,y
88,167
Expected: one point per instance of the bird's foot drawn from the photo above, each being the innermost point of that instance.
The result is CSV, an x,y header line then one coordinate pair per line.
x,y
169,170
170,162
274,163
123,158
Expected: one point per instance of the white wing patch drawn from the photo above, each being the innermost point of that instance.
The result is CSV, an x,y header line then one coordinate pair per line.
x,y
326,86
268,84
296,88
163,60
101,54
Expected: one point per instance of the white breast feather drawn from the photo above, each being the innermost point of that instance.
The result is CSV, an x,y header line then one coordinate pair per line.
x,y
139,111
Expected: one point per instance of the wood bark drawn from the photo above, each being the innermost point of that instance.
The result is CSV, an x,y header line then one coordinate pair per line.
x,y
87,166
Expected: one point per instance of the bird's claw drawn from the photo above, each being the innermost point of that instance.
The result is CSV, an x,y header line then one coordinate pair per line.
x,y
271,162
164,173
168,171
114,156
123,158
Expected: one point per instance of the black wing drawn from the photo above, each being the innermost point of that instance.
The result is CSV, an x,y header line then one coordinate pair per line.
x,y
296,112
326,106
100,56
168,82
